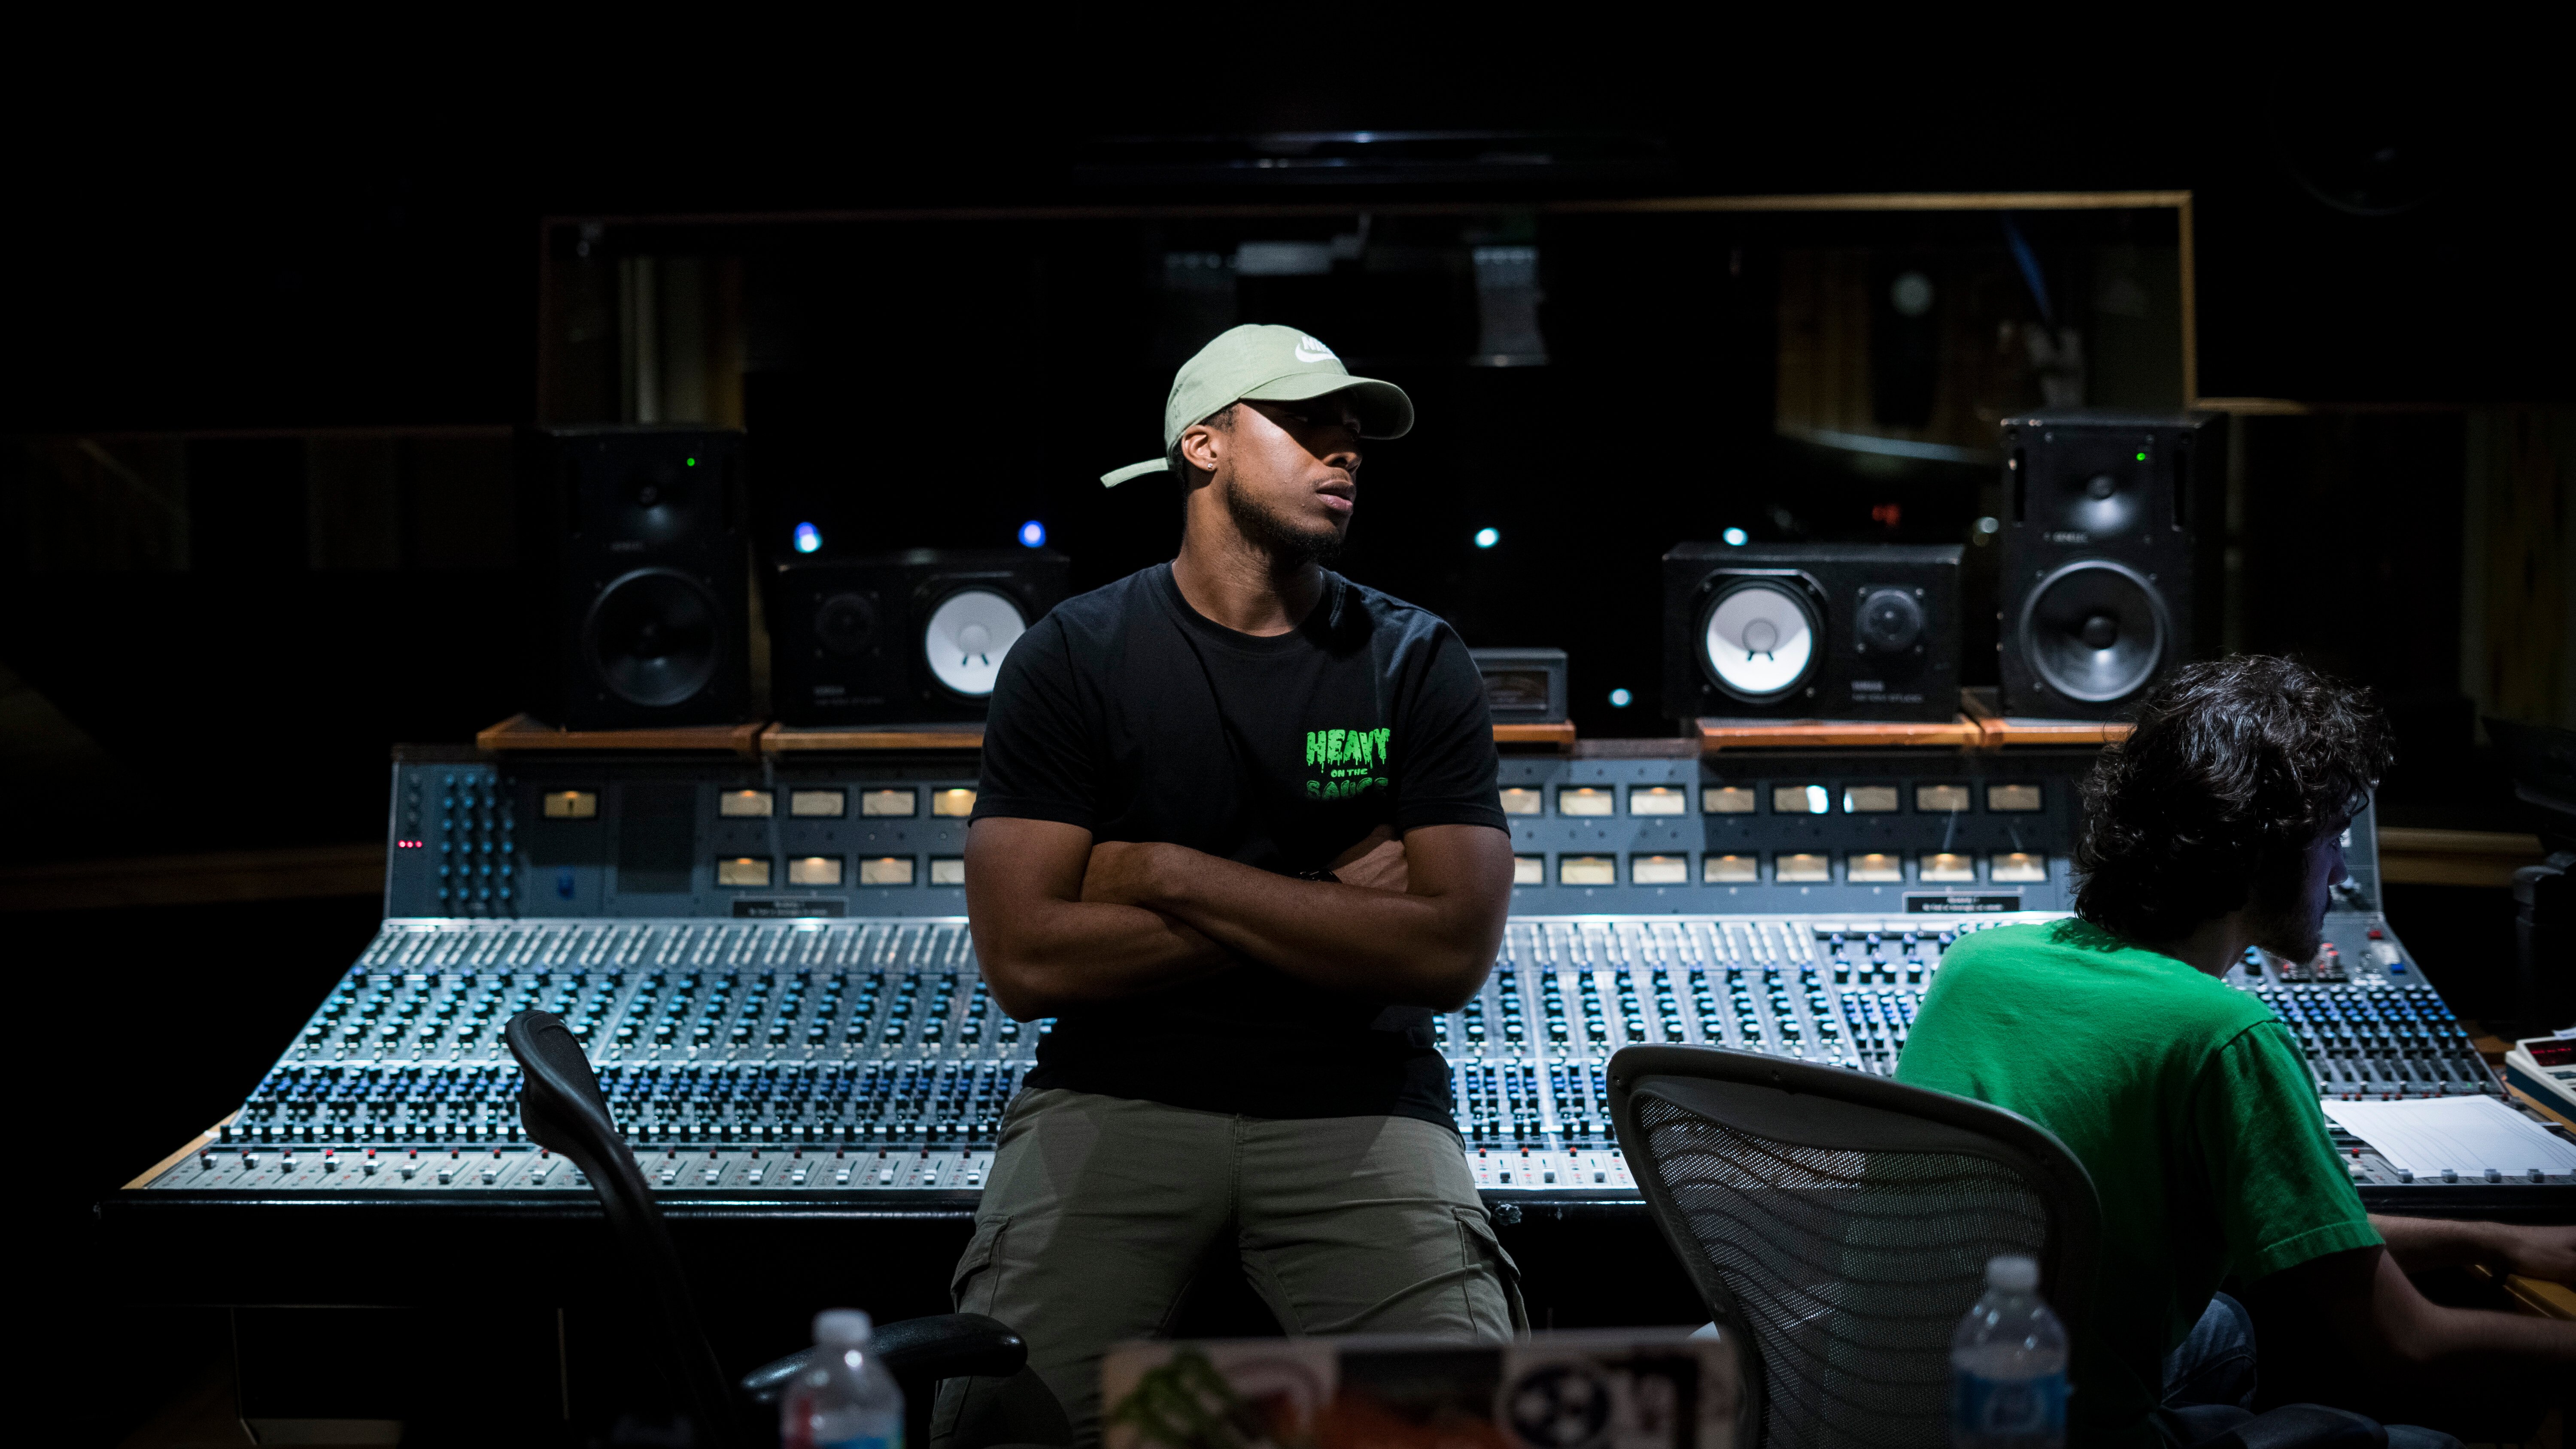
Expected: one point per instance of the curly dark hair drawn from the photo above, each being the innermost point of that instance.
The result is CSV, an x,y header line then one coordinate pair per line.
x,y
2236,768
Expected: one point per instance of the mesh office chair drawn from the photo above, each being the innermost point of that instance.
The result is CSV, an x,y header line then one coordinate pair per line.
x,y
561,1106
1840,1224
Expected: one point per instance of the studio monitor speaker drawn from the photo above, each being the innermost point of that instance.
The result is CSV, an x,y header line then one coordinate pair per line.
x,y
2109,567
904,638
638,579
1811,631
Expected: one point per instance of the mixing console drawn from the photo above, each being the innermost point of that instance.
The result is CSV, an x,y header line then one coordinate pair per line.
x,y
769,966
811,1059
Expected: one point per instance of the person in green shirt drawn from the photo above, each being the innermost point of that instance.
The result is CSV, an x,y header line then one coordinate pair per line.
x,y
2218,826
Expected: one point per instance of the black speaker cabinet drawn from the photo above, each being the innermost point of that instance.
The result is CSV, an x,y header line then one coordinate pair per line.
x,y
638,578
2110,571
903,638
1811,631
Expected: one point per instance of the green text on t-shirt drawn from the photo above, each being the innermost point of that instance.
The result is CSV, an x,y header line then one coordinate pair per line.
x,y
1346,761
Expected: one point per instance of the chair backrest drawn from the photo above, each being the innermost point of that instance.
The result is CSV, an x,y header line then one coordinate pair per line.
x,y
561,1107
1840,1223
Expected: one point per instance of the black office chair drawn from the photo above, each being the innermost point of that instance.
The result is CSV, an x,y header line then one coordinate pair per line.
x,y
1840,1224
561,1107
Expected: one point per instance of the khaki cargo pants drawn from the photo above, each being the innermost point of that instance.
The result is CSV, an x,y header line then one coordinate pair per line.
x,y
1101,1208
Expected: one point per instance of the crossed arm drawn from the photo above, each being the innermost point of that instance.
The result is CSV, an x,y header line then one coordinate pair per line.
x,y
1059,920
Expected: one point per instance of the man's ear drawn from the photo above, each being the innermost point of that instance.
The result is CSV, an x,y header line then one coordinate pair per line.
x,y
1202,447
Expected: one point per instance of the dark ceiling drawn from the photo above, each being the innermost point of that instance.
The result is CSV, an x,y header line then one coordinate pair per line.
x,y
221,237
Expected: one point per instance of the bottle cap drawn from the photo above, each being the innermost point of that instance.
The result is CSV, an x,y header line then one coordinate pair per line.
x,y
842,1325
2009,1272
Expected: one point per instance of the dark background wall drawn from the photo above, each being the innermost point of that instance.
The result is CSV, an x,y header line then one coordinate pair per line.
x,y
229,240
253,245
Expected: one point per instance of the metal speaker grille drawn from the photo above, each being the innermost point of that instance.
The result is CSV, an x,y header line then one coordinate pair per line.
x,y
1851,1268
652,637
2095,630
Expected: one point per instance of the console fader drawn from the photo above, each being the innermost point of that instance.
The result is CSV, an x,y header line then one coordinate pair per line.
x,y
771,971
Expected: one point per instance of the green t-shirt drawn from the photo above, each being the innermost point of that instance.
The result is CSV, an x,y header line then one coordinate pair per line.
x,y
2189,1104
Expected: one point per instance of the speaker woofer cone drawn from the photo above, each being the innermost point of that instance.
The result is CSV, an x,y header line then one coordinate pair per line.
x,y
1757,637
651,638
966,637
2094,630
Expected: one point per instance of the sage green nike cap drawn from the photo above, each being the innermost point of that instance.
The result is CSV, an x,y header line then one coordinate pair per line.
x,y
1268,364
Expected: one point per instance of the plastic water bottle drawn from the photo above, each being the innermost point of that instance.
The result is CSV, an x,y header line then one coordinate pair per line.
x,y
2008,1365
846,1400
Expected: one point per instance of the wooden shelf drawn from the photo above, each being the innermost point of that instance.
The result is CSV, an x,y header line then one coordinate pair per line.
x,y
519,732
1559,736
1981,706
1791,734
801,739
804,739
1969,731
2000,732
1977,726
2409,856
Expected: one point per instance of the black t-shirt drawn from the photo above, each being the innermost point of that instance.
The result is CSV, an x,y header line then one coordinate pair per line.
x,y
1130,714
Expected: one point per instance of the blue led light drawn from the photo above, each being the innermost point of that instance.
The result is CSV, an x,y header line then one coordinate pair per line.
x,y
1487,537
808,538
1734,536
1621,699
1033,534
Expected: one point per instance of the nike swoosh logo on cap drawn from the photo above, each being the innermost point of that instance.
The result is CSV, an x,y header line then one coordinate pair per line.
x,y
1310,350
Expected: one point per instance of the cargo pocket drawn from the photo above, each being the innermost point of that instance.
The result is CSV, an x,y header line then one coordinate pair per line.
x,y
1482,1246
974,1283
971,1288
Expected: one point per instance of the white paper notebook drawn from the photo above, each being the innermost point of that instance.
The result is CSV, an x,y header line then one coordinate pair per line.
x,y
2466,1134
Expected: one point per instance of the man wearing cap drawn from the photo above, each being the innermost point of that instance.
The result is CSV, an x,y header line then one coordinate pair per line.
x,y
1238,833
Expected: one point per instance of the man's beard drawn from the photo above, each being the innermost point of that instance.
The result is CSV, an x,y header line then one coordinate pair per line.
x,y
1276,536
2283,924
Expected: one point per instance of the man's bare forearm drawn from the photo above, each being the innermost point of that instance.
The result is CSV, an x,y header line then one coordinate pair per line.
x,y
2420,1244
2469,1336
1420,950
2430,1338
2352,1329
1042,947
2545,1252
1065,953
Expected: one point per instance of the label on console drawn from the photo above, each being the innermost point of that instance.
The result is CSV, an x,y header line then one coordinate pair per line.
x,y
779,909
1959,905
